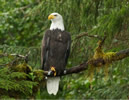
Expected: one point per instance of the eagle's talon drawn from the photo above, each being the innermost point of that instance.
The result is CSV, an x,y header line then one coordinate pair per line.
x,y
53,70
49,72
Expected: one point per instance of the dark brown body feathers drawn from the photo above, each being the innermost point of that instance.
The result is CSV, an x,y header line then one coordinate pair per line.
x,y
55,50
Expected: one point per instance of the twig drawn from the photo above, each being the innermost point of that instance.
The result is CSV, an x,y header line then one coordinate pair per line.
x,y
102,41
86,34
25,58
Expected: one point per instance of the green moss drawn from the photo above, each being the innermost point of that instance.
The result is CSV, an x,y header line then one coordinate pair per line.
x,y
23,67
108,56
39,76
100,54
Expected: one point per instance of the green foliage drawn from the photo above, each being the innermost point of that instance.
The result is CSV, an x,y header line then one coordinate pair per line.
x,y
33,58
23,23
18,80
14,84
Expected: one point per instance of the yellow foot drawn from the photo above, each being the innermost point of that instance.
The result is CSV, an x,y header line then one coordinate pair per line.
x,y
53,69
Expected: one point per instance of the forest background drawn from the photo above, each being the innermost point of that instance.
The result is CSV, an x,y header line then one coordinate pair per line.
x,y
23,23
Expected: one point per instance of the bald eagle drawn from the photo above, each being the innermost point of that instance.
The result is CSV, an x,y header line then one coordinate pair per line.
x,y
55,51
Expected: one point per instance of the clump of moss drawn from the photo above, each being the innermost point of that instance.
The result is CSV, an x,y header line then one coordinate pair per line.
x,y
100,54
39,76
22,67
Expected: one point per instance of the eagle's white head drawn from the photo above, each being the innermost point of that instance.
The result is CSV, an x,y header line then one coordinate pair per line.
x,y
57,21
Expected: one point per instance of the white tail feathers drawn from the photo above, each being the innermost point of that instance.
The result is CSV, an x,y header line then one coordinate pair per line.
x,y
53,85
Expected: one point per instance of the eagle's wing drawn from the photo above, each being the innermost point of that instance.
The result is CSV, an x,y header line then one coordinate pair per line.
x,y
68,48
45,48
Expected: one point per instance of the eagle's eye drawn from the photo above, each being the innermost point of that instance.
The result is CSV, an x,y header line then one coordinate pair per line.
x,y
55,15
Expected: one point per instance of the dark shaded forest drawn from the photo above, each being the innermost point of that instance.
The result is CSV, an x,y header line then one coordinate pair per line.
x,y
22,26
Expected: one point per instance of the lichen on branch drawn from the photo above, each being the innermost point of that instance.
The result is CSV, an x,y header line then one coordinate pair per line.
x,y
105,57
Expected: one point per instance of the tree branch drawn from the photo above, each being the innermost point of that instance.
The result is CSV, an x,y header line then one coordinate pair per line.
x,y
17,57
84,66
100,61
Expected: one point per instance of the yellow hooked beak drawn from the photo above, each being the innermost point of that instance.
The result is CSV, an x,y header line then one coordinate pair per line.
x,y
51,17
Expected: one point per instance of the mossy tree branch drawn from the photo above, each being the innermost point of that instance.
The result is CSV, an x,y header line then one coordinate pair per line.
x,y
100,61
37,77
96,62
84,66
